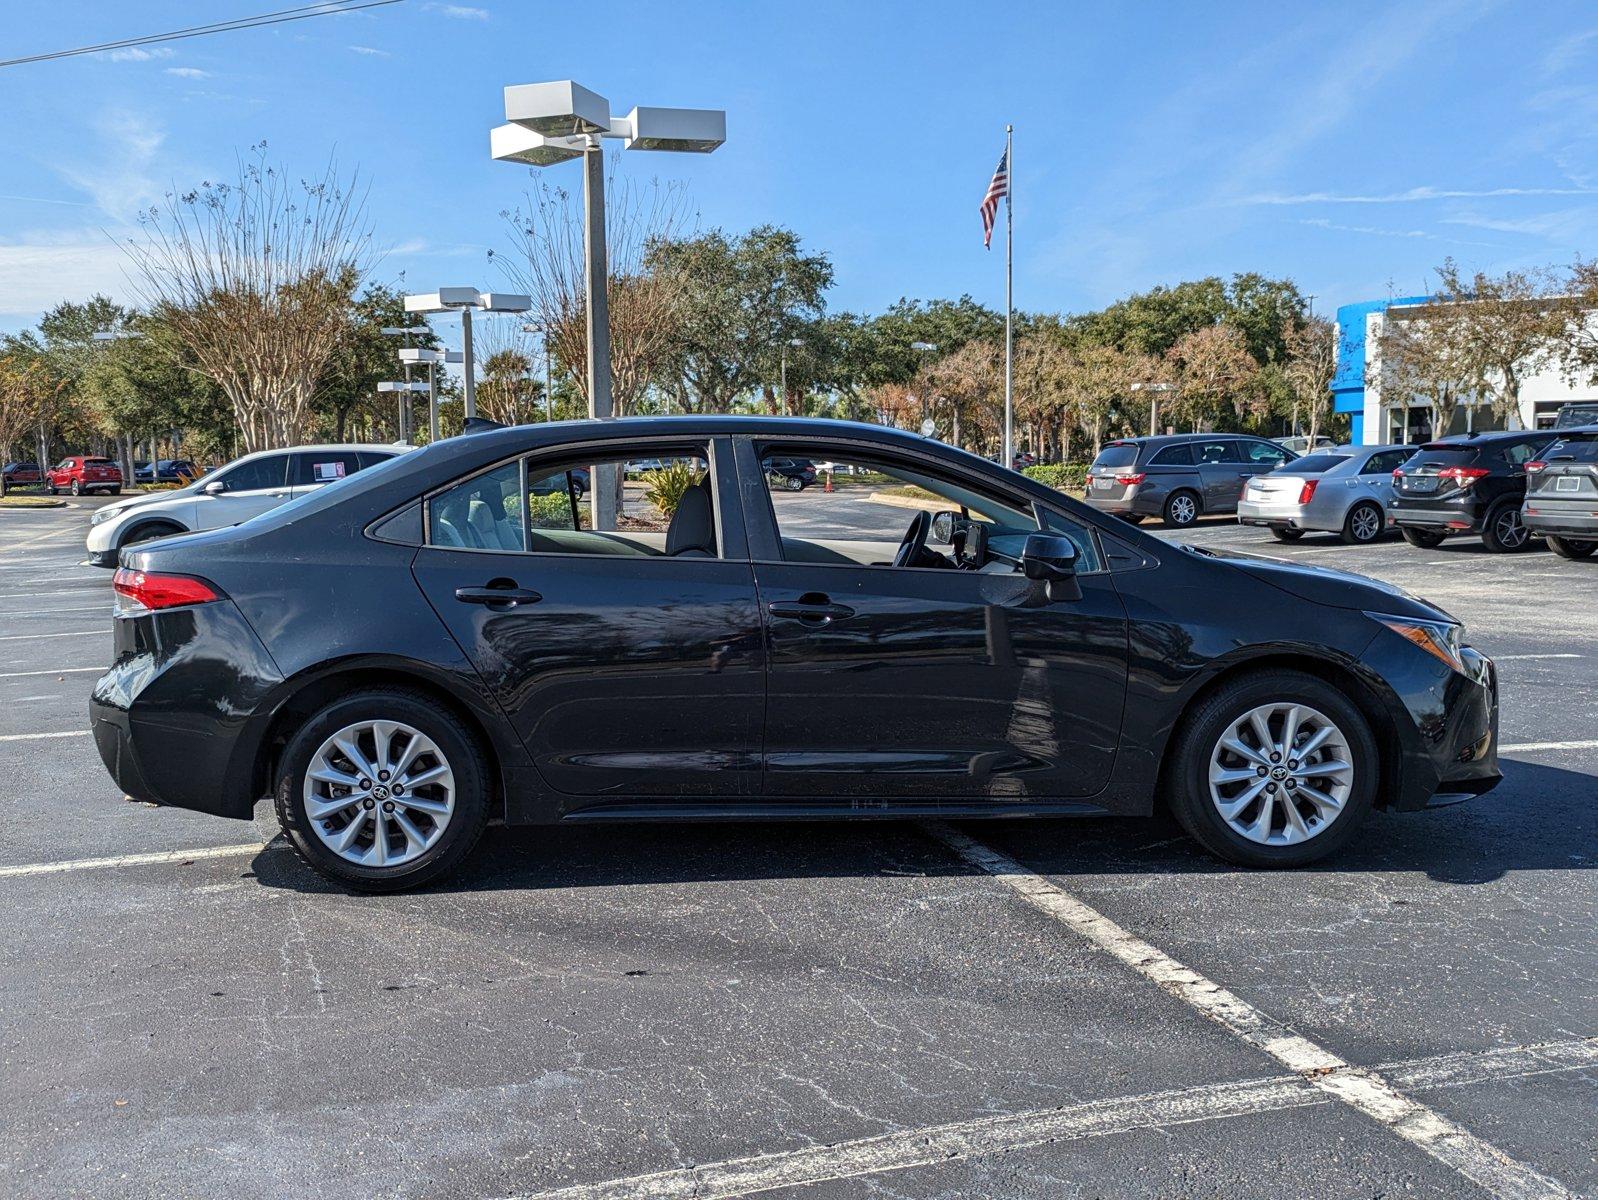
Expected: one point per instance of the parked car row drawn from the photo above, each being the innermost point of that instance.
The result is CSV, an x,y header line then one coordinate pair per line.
x,y
1178,477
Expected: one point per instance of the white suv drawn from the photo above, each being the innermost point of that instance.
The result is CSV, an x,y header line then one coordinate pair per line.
x,y
231,495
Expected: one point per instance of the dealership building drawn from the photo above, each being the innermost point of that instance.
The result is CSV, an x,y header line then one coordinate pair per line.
x,y
1377,416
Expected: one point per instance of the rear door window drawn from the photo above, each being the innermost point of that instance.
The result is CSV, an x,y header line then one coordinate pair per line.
x,y
1384,463
1517,453
313,468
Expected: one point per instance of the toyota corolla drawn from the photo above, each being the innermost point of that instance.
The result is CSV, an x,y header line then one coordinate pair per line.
x,y
462,634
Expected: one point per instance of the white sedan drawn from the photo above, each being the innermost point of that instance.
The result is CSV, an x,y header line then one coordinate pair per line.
x,y
231,495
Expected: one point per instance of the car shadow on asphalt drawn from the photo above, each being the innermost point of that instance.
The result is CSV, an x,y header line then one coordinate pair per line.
x,y
1541,818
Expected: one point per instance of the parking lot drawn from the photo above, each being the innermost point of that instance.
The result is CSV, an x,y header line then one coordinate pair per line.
x,y
1050,1009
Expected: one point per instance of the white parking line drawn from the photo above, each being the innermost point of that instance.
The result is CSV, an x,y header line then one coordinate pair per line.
x,y
1525,657
1366,1091
1520,747
57,671
131,860
960,1140
35,737
103,607
29,637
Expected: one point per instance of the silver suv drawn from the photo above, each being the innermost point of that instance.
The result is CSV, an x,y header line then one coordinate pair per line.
x,y
1178,476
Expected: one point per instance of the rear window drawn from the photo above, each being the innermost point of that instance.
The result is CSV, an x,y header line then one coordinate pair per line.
x,y
1317,462
1441,456
1582,450
1116,456
97,462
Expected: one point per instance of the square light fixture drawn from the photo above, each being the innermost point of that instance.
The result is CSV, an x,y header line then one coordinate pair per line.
x,y
559,109
694,130
515,143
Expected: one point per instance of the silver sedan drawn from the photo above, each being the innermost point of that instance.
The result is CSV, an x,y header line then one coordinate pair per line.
x,y
1341,489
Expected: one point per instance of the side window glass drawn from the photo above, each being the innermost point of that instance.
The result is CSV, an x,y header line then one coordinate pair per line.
x,y
257,474
1173,456
482,513
1264,452
1215,452
1518,452
313,468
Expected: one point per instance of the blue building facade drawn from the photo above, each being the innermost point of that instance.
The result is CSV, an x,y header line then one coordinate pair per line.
x,y
1348,383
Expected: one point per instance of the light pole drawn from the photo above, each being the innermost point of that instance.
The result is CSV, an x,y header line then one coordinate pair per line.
x,y
464,301
549,381
790,342
1155,390
404,387
429,358
556,122
407,332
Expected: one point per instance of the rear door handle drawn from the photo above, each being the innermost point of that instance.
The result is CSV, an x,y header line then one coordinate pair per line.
x,y
820,611
510,597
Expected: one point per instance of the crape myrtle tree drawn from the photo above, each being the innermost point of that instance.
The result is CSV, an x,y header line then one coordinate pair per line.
x,y
1513,324
250,283
1308,369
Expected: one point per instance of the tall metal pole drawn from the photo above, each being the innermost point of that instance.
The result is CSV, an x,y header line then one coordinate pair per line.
x,y
469,365
549,383
600,404
784,399
1009,305
432,403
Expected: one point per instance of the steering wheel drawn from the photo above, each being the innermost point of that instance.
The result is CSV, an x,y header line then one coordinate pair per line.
x,y
914,540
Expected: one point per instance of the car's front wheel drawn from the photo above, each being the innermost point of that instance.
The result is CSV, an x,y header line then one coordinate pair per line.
x,y
383,790
1274,769
1571,547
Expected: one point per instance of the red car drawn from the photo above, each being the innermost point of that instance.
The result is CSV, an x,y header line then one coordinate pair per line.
x,y
83,473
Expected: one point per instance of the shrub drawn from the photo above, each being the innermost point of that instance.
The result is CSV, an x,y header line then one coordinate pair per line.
x,y
1061,476
664,488
547,512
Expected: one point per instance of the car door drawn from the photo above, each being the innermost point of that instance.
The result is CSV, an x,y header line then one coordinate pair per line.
x,y
248,489
1375,478
1259,457
913,686
1221,473
630,666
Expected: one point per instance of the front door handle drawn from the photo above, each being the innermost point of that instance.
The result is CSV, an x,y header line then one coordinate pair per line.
x,y
818,611
510,597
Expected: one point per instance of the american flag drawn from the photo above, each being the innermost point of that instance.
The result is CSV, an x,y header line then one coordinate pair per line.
x,y
998,189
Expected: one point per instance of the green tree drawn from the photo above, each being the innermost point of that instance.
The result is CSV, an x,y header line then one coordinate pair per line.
x,y
365,357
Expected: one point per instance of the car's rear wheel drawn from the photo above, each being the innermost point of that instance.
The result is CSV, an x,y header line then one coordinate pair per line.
x,y
1571,547
77,487
1274,769
1364,524
1426,539
1503,532
1181,509
1283,534
1132,518
383,790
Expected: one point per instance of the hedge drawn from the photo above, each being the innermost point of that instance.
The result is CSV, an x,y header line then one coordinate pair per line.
x,y
1063,476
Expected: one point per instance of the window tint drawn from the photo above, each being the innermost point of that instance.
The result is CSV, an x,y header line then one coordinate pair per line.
x,y
1440,457
257,474
370,458
1384,463
1116,456
312,468
1316,463
1221,450
97,462
1582,450
480,514
1263,452
1523,451
1173,456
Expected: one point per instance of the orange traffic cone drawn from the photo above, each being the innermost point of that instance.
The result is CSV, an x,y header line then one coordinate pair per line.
x,y
828,488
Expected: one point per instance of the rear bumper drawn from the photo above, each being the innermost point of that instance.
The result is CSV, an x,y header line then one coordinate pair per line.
x,y
1440,518
1283,516
1561,518
1134,501
169,716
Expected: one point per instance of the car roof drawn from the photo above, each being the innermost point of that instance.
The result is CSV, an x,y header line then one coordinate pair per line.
x,y
390,447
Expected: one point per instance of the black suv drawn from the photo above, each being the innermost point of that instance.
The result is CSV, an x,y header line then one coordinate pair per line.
x,y
1178,476
791,474
1469,484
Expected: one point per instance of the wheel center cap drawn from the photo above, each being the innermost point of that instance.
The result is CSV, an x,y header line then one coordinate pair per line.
x,y
1279,773
380,792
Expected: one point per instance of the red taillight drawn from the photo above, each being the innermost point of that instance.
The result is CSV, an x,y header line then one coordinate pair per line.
x,y
1307,492
147,589
1463,475
1129,480
1534,466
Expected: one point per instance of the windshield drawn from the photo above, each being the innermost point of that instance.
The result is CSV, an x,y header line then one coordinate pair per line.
x,y
1116,456
1576,414
1313,464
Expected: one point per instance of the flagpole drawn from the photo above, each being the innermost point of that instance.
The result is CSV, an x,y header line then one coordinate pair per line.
x,y
1009,306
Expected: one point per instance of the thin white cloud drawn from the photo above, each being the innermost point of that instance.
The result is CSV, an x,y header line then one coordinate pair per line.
x,y
1411,195
1567,52
461,12
38,270
1323,223
371,50
188,72
116,172
138,54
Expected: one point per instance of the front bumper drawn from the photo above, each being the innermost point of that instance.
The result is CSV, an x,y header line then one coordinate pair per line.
x,y
1449,745
104,558
169,715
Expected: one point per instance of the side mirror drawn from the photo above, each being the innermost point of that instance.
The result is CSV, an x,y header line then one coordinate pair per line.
x,y
215,488
1050,559
943,527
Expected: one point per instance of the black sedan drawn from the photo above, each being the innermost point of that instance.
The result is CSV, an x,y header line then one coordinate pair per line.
x,y
412,651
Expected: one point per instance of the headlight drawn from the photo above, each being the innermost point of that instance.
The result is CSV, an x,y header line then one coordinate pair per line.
x,y
1441,639
105,514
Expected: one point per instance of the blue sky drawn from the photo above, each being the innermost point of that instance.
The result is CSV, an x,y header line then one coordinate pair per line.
x,y
1350,147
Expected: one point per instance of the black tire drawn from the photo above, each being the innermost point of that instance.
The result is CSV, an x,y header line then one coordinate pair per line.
x,y
1571,547
116,491
1364,524
1502,531
1426,539
1132,518
50,489
1286,535
1182,508
77,488
1187,767
423,713
150,532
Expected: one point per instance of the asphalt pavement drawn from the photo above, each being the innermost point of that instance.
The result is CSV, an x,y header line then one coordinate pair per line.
x,y
1048,1008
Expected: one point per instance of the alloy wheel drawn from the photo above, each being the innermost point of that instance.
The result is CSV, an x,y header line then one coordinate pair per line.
x,y
379,793
1280,774
1183,510
1366,523
1511,532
